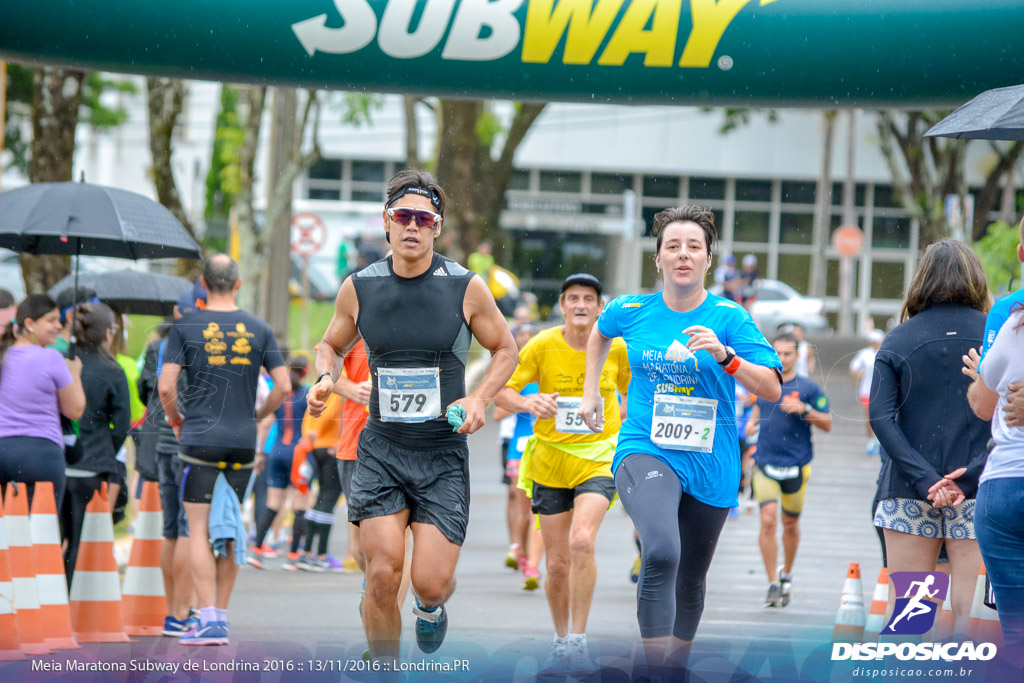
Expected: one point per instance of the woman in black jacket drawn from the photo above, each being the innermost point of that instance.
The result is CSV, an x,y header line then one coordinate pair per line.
x,y
919,412
102,428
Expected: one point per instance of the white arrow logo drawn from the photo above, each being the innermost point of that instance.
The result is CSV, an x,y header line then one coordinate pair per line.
x,y
357,31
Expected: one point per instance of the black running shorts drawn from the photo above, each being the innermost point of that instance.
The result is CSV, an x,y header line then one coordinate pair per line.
x,y
548,500
200,480
433,484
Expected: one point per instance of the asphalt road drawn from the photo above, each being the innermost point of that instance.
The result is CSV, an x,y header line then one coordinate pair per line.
x,y
291,624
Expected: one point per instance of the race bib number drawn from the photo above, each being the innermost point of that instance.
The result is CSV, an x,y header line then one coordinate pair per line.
x,y
682,423
568,420
409,394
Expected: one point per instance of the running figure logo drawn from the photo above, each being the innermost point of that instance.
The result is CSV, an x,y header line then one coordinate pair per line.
x,y
915,612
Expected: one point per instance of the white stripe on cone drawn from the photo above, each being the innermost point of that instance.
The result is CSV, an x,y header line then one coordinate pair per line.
x,y
148,581
6,597
97,528
53,589
18,533
44,529
149,526
95,587
26,595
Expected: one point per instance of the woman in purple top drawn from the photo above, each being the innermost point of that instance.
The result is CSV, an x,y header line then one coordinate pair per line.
x,y
37,385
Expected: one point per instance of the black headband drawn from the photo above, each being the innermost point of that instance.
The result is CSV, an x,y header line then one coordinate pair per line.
x,y
434,198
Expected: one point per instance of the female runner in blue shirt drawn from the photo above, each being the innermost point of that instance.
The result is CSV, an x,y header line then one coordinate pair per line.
x,y
677,465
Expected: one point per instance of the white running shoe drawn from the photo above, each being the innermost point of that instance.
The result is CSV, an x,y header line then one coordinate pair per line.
x,y
557,662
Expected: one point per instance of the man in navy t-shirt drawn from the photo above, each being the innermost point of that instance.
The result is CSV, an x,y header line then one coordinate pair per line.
x,y
782,464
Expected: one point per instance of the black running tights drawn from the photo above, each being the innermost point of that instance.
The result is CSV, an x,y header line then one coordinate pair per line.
x,y
678,535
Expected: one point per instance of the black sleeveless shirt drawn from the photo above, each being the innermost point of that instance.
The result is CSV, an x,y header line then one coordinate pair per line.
x,y
415,323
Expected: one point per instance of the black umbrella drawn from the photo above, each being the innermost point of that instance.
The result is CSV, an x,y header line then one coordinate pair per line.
x,y
80,218
90,220
993,115
131,291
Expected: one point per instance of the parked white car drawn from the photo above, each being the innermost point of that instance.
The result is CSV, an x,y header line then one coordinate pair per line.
x,y
779,304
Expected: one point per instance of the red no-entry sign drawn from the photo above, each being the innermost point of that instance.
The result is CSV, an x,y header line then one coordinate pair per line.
x,y
308,233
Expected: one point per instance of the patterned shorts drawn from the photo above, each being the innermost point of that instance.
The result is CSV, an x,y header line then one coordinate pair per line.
x,y
919,518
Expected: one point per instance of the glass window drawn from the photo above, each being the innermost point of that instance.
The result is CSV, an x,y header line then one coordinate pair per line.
x,y
753,190
887,280
751,226
795,271
368,171
707,188
832,278
892,233
560,181
885,197
796,228
859,192
368,195
798,193
326,169
321,193
519,180
610,183
661,186
769,293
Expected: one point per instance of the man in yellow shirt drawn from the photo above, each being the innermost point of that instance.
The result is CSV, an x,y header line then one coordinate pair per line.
x,y
566,468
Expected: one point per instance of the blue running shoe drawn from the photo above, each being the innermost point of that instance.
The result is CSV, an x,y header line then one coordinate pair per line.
x,y
214,633
431,627
175,628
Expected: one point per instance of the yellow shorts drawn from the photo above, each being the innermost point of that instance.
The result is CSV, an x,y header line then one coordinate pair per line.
x,y
791,489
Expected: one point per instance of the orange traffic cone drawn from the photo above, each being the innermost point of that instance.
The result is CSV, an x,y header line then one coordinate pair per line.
x,y
10,644
850,618
983,626
95,594
23,576
49,564
879,602
144,602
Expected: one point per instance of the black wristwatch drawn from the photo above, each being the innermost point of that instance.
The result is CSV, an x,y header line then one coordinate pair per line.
x,y
729,355
321,376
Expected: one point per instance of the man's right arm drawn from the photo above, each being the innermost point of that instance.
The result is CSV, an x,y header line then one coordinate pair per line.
x,y
339,338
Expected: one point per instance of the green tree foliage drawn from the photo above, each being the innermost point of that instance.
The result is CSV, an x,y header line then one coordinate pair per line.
x,y
95,113
997,251
18,110
223,180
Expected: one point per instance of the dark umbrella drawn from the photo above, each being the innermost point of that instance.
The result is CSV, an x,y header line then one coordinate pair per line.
x,y
993,115
80,218
131,291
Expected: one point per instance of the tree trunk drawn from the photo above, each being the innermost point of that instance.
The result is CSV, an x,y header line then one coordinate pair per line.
x,y
251,102
412,133
166,98
56,99
822,208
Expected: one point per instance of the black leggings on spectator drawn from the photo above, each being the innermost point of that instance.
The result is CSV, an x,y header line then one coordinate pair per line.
x,y
670,592
320,519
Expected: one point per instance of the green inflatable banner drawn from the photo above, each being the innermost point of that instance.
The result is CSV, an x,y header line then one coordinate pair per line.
x,y
913,53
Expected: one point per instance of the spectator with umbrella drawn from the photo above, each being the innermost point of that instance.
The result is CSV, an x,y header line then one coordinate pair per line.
x,y
103,426
37,386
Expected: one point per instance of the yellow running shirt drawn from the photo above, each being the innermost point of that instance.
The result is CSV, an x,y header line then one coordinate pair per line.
x,y
558,368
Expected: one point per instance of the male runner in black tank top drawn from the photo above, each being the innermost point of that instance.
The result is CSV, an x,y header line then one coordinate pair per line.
x,y
416,311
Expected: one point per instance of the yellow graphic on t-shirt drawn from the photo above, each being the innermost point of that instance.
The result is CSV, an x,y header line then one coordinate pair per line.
x,y
241,347
215,345
212,331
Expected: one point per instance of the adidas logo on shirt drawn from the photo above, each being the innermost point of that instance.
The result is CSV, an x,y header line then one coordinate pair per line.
x,y
440,271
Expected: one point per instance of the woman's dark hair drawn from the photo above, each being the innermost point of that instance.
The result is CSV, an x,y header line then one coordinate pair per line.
x,y
91,324
948,272
691,213
34,307
414,177
1017,307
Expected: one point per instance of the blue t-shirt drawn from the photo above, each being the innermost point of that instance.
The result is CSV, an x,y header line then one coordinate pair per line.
x,y
524,426
654,337
785,438
997,315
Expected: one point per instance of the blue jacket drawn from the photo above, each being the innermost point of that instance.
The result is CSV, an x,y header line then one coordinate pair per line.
x,y
226,520
918,403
